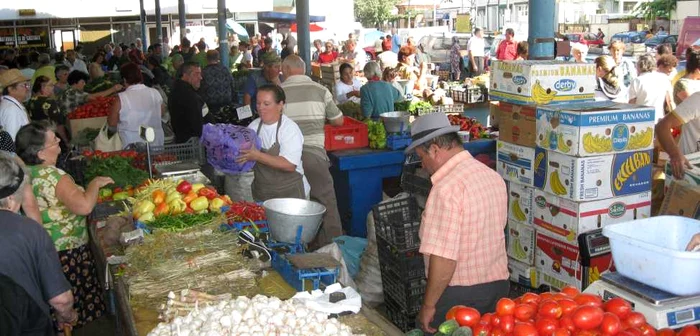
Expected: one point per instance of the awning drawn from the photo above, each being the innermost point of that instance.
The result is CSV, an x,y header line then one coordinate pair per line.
x,y
236,28
285,17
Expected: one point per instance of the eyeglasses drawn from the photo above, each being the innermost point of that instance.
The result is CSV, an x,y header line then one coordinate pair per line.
x,y
56,141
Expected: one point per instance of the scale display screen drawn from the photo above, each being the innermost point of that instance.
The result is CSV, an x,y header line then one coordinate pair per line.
x,y
683,316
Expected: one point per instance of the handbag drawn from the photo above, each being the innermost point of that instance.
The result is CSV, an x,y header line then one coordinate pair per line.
x,y
105,143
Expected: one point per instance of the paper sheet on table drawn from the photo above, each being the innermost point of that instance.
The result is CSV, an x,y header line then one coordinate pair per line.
x,y
319,300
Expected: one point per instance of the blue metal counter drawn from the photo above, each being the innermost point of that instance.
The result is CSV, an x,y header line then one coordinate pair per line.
x,y
358,174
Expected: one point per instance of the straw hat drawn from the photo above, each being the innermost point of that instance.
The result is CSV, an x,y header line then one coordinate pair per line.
x,y
12,76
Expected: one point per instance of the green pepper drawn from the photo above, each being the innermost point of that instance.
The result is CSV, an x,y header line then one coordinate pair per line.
x,y
120,196
105,192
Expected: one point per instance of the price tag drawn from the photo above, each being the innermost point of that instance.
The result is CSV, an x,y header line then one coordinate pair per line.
x,y
244,112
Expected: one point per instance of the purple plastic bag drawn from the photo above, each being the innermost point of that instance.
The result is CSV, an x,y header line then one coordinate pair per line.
x,y
223,143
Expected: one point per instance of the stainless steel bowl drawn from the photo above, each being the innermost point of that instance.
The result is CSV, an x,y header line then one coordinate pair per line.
x,y
285,215
396,122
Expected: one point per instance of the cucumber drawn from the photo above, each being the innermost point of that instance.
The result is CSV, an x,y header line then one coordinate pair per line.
x,y
415,332
462,331
448,327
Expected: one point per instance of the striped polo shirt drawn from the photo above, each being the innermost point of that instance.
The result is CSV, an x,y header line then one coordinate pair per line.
x,y
309,104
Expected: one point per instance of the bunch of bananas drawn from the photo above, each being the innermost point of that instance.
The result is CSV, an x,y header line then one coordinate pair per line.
x,y
561,144
517,211
544,143
518,250
557,187
641,140
597,143
593,275
540,94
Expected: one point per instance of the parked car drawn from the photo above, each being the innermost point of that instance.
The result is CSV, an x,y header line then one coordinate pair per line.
x,y
588,39
657,40
629,37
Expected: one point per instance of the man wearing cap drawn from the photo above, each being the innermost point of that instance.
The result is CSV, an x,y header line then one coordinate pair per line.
x,y
270,75
15,90
462,229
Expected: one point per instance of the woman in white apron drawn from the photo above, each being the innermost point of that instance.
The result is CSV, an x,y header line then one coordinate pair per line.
x,y
137,106
278,169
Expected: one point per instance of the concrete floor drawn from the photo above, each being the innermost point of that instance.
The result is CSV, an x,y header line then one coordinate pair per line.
x,y
102,327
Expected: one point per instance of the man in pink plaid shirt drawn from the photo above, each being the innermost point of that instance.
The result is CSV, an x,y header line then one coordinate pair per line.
x,y
462,230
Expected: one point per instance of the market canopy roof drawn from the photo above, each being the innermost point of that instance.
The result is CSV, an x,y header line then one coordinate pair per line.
x,y
285,17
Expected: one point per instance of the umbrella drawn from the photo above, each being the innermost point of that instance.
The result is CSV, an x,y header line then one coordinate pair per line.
x,y
312,27
236,27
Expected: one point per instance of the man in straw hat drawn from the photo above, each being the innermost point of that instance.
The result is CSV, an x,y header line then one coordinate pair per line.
x,y
15,90
462,230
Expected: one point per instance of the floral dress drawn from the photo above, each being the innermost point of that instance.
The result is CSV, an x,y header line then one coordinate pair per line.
x,y
70,236
455,57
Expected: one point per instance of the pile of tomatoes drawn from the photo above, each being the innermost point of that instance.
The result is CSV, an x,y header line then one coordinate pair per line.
x,y
568,313
99,107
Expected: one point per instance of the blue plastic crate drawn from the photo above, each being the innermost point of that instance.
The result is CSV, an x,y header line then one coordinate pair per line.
x,y
300,279
240,226
398,141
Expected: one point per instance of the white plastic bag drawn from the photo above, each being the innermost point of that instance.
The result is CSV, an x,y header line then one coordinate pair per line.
x,y
344,276
105,143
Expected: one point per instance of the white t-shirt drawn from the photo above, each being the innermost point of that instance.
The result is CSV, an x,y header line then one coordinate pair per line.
x,y
388,59
689,112
476,46
650,89
77,65
358,56
342,89
291,143
13,115
248,57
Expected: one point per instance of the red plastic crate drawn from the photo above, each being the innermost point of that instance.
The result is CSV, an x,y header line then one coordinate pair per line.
x,y
353,134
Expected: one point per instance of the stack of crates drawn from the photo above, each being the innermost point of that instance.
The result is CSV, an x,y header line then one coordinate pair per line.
x,y
402,266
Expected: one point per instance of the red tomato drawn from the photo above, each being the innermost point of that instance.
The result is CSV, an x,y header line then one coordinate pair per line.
x,y
635,320
522,329
495,321
611,324
618,306
486,318
546,326
550,308
451,313
626,333
570,291
665,332
524,312
567,306
560,296
467,317
567,323
647,330
634,331
530,298
498,332
587,333
589,300
546,296
689,331
507,323
505,307
561,332
482,329
587,317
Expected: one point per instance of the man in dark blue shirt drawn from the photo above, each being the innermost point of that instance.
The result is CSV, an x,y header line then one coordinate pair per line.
x,y
270,75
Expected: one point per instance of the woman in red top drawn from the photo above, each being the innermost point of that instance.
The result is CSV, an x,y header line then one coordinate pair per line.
x,y
329,55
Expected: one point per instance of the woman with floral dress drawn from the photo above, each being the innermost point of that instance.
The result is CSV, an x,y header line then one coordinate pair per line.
x,y
455,57
63,207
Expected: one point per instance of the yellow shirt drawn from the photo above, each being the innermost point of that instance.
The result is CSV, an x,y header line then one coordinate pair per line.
x,y
47,70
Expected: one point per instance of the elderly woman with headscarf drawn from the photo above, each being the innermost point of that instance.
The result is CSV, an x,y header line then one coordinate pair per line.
x,y
455,59
377,96
63,206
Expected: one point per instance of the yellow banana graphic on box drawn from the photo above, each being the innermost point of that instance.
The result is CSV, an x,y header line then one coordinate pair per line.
x,y
561,144
545,141
540,95
641,139
518,250
571,236
517,211
597,143
557,187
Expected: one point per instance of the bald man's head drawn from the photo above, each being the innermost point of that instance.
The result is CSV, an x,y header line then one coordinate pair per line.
x,y
293,65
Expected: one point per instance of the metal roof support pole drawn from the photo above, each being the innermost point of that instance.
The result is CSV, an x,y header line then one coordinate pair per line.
x,y
159,24
223,32
303,34
541,26
144,43
183,22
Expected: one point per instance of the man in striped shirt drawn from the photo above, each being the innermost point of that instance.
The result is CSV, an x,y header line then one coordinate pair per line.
x,y
310,104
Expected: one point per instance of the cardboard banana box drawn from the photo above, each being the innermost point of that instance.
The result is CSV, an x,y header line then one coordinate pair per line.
x,y
592,178
558,264
542,82
517,124
521,242
566,219
523,274
520,203
692,176
595,128
515,163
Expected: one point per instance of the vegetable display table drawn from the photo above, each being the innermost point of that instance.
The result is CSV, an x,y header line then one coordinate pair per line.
x,y
358,174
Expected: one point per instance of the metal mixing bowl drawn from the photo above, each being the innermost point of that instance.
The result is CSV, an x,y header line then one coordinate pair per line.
x,y
285,215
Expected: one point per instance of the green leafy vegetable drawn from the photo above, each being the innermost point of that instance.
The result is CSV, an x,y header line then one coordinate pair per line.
x,y
182,221
120,169
376,134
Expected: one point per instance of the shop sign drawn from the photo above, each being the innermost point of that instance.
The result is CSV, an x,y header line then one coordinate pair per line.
x,y
32,37
7,38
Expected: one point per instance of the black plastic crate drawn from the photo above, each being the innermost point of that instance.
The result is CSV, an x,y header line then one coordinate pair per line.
x,y
399,316
476,94
106,209
518,290
407,293
74,166
398,222
405,263
413,183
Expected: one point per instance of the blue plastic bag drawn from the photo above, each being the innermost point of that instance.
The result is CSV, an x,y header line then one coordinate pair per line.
x,y
352,249
223,144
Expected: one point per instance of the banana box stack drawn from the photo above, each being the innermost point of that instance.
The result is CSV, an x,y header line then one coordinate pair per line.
x,y
592,167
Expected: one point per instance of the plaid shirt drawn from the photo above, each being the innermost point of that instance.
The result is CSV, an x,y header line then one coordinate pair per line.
x,y
72,98
464,220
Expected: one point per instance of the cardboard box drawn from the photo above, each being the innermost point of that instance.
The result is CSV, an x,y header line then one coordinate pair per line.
x,y
517,124
316,70
559,264
692,176
565,219
523,274
77,125
521,242
494,114
520,203
515,163
592,178
682,199
595,128
542,82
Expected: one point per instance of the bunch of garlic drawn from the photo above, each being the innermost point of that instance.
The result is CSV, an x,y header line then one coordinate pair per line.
x,y
248,317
